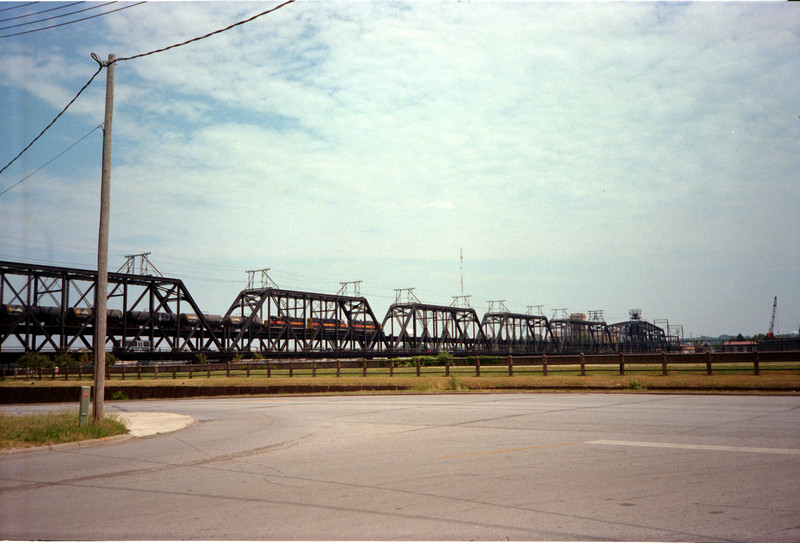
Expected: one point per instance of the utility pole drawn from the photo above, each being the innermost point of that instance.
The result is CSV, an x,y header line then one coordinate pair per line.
x,y
101,291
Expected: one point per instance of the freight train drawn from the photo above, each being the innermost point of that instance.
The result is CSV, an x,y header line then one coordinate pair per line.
x,y
547,336
47,308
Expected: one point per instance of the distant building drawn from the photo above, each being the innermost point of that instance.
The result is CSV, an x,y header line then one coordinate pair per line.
x,y
738,346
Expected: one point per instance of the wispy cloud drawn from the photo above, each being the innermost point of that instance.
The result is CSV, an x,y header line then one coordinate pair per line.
x,y
593,153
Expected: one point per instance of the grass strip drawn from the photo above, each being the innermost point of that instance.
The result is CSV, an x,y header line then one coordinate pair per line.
x,y
22,431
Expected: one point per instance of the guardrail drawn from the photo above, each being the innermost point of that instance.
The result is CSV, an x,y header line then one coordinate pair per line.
x,y
753,362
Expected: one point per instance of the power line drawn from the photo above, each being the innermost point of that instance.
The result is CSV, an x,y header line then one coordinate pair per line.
x,y
97,6
254,17
46,128
52,159
75,21
19,6
102,65
39,12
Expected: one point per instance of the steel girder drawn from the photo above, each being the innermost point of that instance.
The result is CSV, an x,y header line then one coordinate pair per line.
x,y
422,327
581,336
638,336
52,308
277,320
517,333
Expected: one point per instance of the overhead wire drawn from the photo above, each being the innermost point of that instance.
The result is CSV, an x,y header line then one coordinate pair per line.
x,y
40,12
19,6
52,159
102,64
72,22
253,18
94,6
46,128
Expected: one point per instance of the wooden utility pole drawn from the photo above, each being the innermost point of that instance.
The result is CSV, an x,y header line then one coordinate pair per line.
x,y
101,292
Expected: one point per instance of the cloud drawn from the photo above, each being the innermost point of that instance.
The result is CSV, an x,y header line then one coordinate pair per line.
x,y
438,204
579,144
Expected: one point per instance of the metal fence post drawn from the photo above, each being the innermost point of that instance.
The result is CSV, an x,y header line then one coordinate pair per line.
x,y
664,363
622,363
391,367
510,366
544,365
756,369
708,363
477,366
582,359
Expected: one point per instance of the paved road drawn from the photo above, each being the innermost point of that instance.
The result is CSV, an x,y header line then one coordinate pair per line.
x,y
457,467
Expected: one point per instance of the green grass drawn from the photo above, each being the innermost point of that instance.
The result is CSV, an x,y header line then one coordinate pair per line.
x,y
635,384
20,431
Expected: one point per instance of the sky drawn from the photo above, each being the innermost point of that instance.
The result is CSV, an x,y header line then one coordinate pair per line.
x,y
580,155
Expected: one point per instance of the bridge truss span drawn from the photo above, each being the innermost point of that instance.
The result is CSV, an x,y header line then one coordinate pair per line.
x,y
578,335
50,308
517,333
277,320
419,327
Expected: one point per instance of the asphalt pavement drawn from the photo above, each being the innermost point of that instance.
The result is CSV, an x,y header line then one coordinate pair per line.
x,y
533,467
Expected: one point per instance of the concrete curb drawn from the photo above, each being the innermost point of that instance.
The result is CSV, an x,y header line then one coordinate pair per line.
x,y
68,445
140,424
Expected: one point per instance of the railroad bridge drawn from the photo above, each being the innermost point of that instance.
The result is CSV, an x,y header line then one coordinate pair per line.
x,y
51,309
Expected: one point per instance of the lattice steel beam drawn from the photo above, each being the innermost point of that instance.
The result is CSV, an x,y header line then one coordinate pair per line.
x,y
423,327
52,308
517,333
278,320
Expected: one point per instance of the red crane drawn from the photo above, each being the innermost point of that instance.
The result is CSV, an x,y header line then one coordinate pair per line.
x,y
771,332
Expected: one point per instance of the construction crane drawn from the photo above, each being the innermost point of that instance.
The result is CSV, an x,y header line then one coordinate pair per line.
x,y
771,332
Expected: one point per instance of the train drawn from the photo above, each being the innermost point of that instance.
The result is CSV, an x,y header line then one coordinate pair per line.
x,y
276,332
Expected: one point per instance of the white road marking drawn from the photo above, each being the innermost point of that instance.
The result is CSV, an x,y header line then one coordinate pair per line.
x,y
763,450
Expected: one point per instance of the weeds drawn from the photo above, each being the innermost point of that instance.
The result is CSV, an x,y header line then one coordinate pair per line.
x,y
455,384
51,428
634,384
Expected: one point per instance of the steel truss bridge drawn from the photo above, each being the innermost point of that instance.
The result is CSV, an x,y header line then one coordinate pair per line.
x,y
51,309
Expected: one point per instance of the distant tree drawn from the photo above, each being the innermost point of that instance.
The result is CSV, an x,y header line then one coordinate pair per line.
x,y
64,360
35,361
